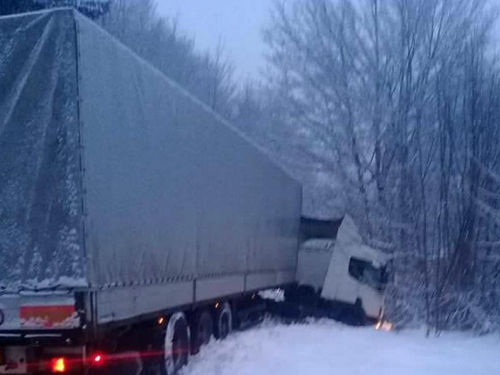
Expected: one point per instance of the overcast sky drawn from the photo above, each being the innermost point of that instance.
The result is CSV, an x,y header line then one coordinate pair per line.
x,y
237,23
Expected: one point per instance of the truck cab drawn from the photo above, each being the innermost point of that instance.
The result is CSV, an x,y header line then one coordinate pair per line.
x,y
339,276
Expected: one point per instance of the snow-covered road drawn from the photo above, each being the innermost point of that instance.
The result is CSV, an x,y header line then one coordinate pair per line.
x,y
326,347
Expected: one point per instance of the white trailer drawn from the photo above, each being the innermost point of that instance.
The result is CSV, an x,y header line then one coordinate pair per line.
x,y
133,219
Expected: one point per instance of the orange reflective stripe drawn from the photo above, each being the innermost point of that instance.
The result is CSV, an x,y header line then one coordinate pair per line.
x,y
48,316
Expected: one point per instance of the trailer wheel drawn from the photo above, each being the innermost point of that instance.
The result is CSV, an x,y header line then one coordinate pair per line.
x,y
176,346
223,321
202,330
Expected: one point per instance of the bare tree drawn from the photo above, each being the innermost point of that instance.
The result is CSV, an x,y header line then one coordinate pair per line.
x,y
209,76
395,98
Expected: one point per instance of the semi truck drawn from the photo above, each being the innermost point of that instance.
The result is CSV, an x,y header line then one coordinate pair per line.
x,y
135,222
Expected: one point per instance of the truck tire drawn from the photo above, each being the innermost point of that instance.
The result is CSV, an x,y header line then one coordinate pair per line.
x,y
223,321
354,316
176,345
202,330
360,314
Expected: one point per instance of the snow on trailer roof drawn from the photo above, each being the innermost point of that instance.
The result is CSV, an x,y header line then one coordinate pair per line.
x,y
40,221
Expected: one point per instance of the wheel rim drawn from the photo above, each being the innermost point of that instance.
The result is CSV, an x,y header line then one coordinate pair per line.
x,y
179,351
224,325
175,352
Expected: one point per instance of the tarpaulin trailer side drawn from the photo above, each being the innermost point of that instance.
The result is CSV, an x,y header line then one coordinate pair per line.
x,y
156,202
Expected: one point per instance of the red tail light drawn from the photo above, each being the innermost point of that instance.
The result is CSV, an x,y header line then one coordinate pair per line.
x,y
98,359
59,365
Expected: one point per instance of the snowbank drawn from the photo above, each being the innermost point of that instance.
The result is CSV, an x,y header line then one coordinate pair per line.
x,y
326,347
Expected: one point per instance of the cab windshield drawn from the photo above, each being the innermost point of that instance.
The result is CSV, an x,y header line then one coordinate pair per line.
x,y
367,273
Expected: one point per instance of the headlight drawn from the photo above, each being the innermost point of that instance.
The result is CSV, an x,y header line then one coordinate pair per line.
x,y
384,326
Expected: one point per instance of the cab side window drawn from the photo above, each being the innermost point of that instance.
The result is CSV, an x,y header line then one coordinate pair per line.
x,y
356,268
365,273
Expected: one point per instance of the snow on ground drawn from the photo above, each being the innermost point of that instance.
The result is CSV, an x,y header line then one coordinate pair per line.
x,y
326,347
